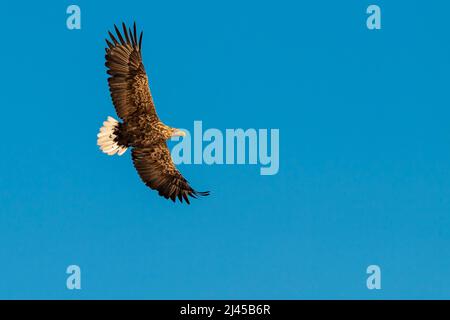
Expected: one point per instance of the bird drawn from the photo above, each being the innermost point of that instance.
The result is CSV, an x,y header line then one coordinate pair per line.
x,y
141,130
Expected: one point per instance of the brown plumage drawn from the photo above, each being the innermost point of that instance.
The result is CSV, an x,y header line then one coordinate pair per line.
x,y
141,128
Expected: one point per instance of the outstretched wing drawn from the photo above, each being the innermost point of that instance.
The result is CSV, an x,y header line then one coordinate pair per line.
x,y
128,83
155,167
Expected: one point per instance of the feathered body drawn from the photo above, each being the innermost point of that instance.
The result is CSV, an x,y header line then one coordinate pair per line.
x,y
141,128
142,131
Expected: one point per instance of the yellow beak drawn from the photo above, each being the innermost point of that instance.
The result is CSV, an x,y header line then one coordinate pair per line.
x,y
179,133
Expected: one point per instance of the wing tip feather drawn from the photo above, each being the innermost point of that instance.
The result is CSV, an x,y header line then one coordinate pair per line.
x,y
127,36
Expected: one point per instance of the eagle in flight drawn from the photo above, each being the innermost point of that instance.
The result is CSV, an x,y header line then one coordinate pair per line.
x,y
140,129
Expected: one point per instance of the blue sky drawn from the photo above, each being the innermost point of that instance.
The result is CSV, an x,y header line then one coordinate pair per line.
x,y
364,152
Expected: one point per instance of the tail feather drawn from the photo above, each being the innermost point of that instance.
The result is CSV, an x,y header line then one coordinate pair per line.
x,y
106,138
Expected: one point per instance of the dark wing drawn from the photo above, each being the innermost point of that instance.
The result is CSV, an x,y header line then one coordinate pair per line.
x,y
128,83
155,167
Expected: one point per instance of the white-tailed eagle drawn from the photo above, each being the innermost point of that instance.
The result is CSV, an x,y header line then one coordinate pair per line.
x,y
140,128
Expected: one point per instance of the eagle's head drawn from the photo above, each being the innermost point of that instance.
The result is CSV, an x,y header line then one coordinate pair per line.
x,y
167,132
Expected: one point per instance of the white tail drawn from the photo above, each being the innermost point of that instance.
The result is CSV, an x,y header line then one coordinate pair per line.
x,y
106,138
